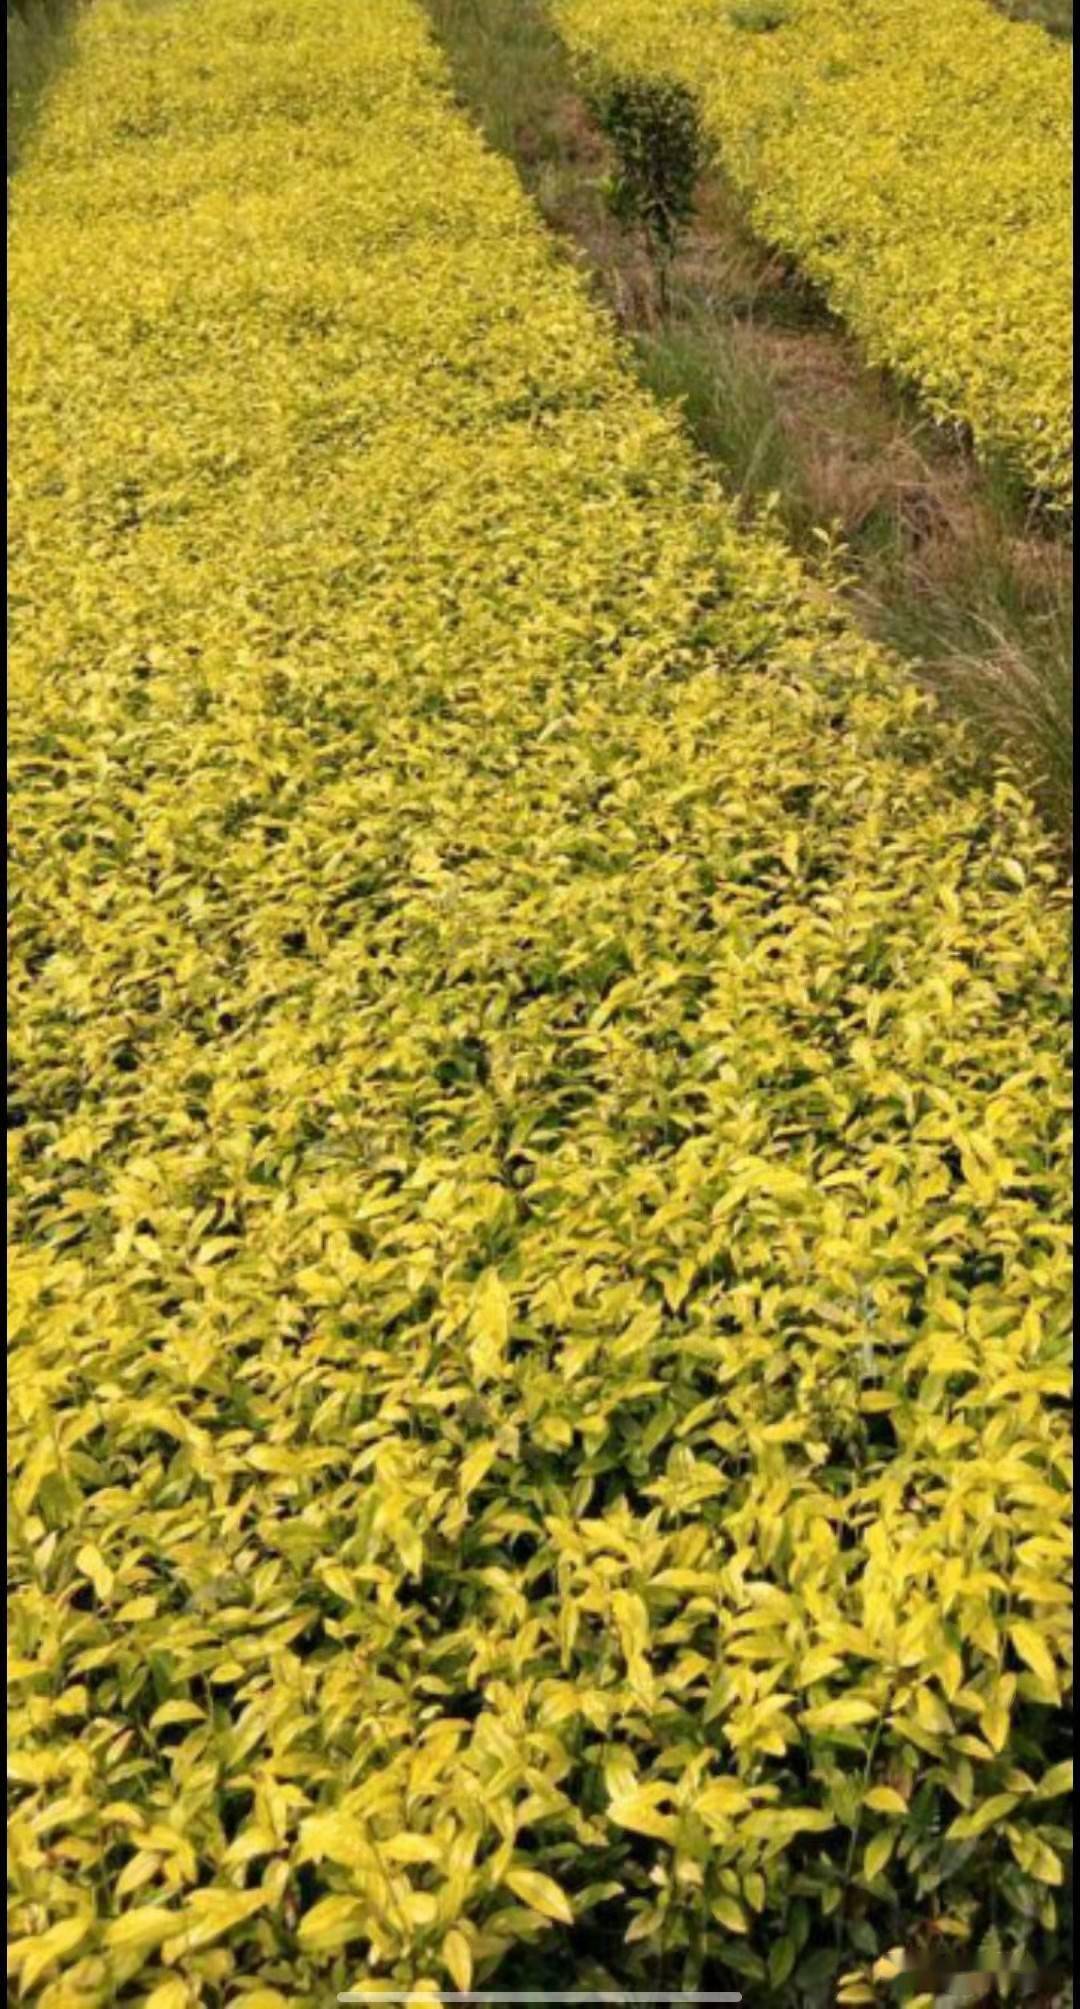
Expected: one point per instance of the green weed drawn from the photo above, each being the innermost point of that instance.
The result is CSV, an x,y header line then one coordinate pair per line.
x,y
1056,16
655,134
759,17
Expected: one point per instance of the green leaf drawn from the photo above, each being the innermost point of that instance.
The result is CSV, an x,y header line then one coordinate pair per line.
x,y
541,1893
721,1799
175,1994
207,1914
147,1926
93,1565
782,1957
996,1808
1045,1864
490,1326
847,1713
332,1923
885,1800
878,1852
1031,1645
640,1812
1057,1781
457,1955
38,1954
729,1913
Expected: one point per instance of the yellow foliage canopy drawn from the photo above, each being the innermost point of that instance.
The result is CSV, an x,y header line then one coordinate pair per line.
x,y
539,1100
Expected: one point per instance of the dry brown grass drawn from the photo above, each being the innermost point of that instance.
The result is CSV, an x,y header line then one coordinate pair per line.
x,y
1054,15
38,43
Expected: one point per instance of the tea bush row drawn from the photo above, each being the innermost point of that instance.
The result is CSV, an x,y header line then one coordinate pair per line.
x,y
538,1118
915,161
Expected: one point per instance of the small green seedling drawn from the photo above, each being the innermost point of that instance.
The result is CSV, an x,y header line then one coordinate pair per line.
x,y
655,131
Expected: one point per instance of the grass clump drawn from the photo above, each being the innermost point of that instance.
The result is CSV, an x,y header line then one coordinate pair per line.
x,y
38,42
759,17
1056,16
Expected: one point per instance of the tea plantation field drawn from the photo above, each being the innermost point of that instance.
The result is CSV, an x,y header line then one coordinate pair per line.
x,y
539,1151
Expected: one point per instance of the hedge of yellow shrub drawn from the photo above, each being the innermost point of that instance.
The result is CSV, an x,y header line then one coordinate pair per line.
x,y
539,1129
915,159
